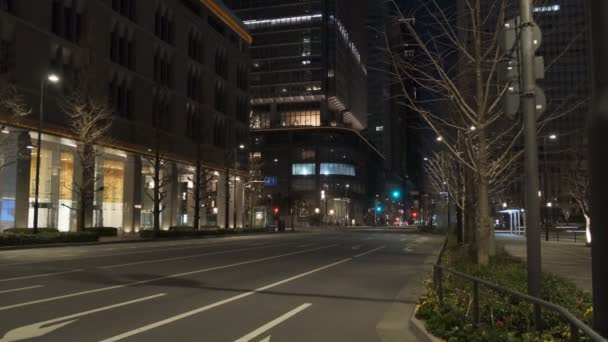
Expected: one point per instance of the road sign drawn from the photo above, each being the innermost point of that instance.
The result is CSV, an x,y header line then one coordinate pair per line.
x,y
270,181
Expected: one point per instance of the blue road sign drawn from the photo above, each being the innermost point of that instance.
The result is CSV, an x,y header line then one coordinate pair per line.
x,y
270,181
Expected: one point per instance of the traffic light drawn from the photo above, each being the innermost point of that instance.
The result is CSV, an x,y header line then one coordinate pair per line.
x,y
509,72
414,214
396,194
276,211
379,208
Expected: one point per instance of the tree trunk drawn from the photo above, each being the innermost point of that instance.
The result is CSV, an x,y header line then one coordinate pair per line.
x,y
156,199
87,185
197,188
483,241
227,199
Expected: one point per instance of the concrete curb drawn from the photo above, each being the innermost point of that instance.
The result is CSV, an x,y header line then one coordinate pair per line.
x,y
80,244
419,329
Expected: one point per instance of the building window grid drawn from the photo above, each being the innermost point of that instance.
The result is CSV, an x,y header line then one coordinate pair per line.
x,y
7,6
121,49
66,22
124,7
120,98
164,25
305,117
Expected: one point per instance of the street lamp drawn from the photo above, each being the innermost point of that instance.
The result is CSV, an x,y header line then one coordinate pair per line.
x,y
347,204
439,139
52,78
546,184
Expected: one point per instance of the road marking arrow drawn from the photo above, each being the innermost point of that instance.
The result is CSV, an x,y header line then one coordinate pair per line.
x,y
42,328
264,328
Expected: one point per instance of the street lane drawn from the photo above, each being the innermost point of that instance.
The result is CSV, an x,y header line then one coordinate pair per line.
x,y
223,297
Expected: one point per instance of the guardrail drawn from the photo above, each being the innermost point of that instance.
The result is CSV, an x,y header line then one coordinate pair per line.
x,y
567,235
576,325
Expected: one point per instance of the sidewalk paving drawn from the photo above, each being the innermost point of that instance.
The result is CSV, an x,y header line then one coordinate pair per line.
x,y
567,259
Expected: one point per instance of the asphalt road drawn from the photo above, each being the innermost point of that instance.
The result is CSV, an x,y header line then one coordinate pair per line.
x,y
289,287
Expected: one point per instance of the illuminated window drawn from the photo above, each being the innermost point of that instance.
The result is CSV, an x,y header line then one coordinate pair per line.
x,y
379,128
338,169
301,118
307,169
549,8
273,22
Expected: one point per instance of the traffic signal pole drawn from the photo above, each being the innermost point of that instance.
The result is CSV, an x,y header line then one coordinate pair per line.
x,y
598,163
528,107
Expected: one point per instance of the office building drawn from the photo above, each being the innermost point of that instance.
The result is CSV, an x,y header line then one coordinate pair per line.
x,y
309,106
174,73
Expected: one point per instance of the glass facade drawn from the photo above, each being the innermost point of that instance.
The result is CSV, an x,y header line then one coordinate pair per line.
x,y
328,169
303,169
123,196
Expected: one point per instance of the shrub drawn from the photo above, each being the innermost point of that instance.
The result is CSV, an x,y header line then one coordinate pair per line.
x,y
18,239
30,230
103,231
503,317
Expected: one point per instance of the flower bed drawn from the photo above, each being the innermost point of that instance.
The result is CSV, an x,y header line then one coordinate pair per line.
x,y
503,318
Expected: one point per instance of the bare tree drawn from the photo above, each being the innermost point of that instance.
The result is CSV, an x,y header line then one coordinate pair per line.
x,y
203,177
90,121
13,106
580,191
453,85
160,179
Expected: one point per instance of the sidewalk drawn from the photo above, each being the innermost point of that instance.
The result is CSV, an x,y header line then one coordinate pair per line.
x,y
567,259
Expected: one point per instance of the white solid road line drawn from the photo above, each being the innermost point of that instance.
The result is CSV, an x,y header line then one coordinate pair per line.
x,y
184,257
267,339
356,247
39,275
85,256
225,301
108,288
22,289
264,328
306,245
368,252
42,328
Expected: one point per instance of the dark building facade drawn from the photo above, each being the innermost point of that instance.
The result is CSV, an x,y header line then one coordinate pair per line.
x,y
174,73
309,104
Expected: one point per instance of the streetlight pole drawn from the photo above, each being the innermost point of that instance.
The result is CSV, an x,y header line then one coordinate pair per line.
x,y
546,190
54,79
528,104
347,205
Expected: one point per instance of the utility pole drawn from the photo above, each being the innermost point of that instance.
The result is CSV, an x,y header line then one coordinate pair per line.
x,y
528,107
598,140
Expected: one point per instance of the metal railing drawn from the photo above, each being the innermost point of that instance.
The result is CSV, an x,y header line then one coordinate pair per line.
x,y
576,325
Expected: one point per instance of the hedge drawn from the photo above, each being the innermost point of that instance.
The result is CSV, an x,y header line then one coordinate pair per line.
x,y
30,230
503,318
182,233
18,239
103,231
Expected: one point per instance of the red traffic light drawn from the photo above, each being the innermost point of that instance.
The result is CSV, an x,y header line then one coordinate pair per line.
x,y
276,211
414,214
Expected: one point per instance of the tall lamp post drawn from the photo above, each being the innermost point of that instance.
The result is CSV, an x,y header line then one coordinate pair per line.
x,y
347,205
52,78
236,179
546,191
